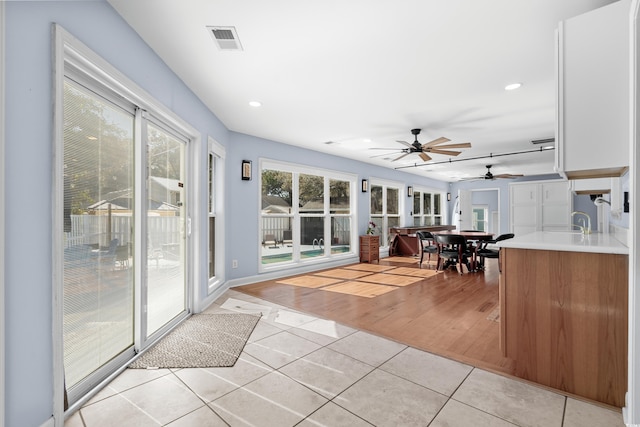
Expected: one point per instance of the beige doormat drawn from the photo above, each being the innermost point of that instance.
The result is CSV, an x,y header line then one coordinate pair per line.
x,y
201,341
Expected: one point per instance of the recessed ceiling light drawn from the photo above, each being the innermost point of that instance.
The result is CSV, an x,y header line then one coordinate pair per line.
x,y
367,140
255,103
512,86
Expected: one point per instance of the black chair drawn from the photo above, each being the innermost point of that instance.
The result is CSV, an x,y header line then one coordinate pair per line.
x,y
454,251
428,245
484,252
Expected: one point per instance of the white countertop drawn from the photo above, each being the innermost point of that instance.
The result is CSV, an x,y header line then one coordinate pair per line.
x,y
567,241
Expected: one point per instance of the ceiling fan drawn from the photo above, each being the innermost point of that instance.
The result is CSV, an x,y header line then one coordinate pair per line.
x,y
491,176
434,147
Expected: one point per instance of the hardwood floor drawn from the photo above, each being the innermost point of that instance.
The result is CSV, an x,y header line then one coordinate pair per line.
x,y
444,313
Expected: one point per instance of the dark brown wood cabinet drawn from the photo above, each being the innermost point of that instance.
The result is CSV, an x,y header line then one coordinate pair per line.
x,y
369,248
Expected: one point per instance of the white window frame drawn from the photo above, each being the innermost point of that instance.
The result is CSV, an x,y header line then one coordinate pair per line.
x,y
384,227
219,154
296,170
2,213
69,50
443,205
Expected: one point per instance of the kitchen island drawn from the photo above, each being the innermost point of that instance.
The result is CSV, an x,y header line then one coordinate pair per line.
x,y
563,312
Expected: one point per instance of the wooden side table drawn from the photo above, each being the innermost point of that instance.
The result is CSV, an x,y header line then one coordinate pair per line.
x,y
369,248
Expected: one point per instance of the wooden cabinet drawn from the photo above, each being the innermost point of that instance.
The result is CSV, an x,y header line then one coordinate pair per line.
x,y
369,248
593,93
541,206
564,320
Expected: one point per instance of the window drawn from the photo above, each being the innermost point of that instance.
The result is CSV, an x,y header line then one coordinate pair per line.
x,y
215,225
385,209
306,214
427,207
480,218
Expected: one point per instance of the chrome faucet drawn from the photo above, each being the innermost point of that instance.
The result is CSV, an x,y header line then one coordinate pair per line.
x,y
585,229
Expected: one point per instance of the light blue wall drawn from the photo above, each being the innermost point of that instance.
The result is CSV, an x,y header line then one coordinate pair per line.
x,y
29,168
28,282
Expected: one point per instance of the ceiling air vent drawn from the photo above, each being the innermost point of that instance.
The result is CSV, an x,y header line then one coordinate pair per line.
x,y
226,38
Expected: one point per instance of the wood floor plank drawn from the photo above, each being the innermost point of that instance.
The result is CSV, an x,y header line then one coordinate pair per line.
x,y
445,314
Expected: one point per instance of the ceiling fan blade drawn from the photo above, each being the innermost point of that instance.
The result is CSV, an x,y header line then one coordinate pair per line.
x,y
436,141
424,157
405,143
507,175
459,145
398,158
438,151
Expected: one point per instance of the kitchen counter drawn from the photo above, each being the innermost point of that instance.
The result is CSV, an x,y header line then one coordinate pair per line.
x,y
567,241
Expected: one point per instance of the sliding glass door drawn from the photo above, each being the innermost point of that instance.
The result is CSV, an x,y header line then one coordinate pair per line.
x,y
125,232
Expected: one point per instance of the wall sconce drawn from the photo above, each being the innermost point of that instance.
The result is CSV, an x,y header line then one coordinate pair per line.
x,y
365,185
246,170
409,191
448,197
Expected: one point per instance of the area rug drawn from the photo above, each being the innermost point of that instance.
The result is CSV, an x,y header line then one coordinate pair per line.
x,y
201,341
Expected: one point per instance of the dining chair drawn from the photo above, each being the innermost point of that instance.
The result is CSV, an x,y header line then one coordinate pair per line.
x,y
454,251
428,245
484,252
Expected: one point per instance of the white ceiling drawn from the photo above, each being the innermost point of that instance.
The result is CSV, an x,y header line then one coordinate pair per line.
x,y
363,73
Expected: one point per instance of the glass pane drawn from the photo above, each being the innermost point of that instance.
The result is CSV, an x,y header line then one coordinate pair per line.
x,y
436,204
426,204
416,220
428,220
277,240
339,199
276,192
98,225
392,201
211,183
312,237
166,290
376,200
378,221
416,203
311,189
437,220
340,234
212,247
393,221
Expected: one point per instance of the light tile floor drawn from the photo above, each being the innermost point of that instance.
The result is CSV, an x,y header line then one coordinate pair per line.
x,y
298,370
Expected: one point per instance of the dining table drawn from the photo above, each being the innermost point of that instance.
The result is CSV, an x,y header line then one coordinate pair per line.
x,y
472,236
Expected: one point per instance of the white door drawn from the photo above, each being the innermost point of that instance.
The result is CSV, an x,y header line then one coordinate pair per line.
x,y
465,211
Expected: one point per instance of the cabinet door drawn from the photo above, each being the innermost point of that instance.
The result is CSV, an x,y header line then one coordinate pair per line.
x,y
556,192
593,93
524,194
524,208
556,206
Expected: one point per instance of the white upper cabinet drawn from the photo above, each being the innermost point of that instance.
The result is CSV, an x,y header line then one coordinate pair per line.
x,y
593,98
